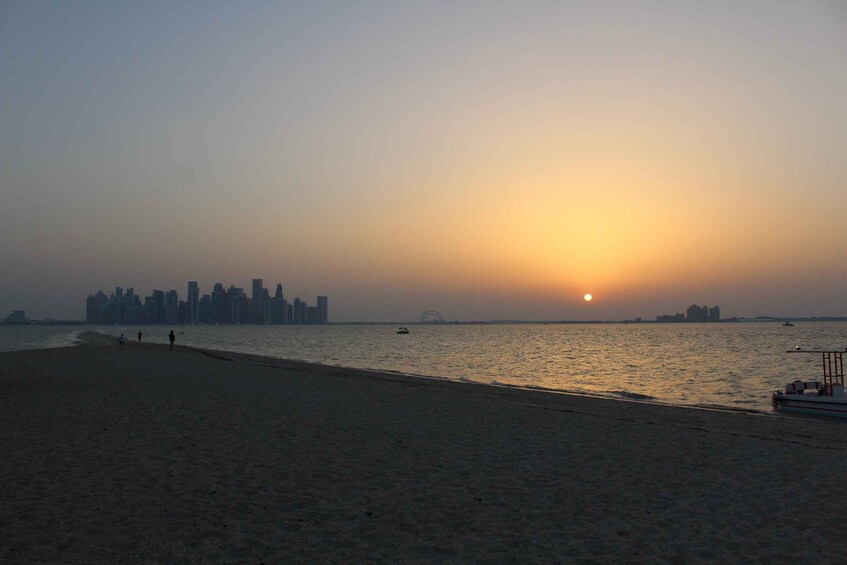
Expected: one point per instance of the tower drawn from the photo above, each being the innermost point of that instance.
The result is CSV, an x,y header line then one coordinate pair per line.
x,y
323,313
193,302
258,302
298,318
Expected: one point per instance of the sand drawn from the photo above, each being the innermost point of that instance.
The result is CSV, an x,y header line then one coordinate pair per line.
x,y
138,454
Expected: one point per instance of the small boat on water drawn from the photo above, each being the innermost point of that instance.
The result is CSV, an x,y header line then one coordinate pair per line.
x,y
825,398
402,331
787,324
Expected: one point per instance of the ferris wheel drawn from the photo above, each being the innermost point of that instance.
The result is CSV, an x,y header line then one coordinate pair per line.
x,y
432,317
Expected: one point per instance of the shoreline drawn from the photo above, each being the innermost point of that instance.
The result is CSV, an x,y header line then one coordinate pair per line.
x,y
101,338
141,454
257,360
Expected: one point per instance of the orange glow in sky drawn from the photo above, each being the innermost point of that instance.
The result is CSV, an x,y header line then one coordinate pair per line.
x,y
469,158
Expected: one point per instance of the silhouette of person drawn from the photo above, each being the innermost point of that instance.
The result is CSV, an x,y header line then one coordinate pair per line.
x,y
121,340
139,337
172,337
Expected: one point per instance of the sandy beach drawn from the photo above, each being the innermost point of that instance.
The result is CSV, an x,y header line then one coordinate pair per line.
x,y
139,454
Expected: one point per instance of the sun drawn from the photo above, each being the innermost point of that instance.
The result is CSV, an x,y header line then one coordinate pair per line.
x,y
588,297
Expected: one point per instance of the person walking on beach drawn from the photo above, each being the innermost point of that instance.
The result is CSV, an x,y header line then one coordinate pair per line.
x,y
172,337
121,340
139,336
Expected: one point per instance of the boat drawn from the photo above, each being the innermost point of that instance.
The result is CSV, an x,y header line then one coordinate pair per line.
x,y
787,324
402,331
824,398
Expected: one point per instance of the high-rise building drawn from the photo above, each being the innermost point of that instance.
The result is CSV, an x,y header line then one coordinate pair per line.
x,y
171,307
312,315
93,307
258,305
157,314
696,313
323,312
193,302
239,306
183,315
204,309
219,313
266,306
16,317
132,311
276,310
298,316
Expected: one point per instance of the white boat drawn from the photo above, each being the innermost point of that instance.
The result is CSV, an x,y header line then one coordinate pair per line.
x,y
402,331
824,398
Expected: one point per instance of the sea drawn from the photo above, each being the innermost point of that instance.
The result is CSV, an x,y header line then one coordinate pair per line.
x,y
732,366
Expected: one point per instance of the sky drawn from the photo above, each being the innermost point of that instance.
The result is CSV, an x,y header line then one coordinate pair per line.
x,y
489,160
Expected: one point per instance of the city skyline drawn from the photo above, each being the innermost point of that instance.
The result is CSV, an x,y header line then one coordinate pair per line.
x,y
221,306
490,160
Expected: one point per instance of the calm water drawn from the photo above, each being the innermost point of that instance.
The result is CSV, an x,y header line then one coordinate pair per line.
x,y
38,337
726,365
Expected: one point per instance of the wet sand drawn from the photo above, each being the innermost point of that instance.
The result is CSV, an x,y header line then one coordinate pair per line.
x,y
139,454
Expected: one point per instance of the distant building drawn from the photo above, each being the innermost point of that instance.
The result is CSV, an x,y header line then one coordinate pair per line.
x,y
258,302
266,307
277,308
239,306
171,307
154,311
298,317
694,313
16,317
184,315
670,318
312,315
118,308
193,302
219,311
94,305
323,310
204,310
697,314
132,311
715,314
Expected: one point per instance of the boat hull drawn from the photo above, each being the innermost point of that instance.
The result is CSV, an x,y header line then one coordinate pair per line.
x,y
809,404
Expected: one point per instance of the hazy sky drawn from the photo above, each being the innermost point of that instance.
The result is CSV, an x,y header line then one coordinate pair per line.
x,y
488,160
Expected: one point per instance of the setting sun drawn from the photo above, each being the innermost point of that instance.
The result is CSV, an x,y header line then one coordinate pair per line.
x,y
588,297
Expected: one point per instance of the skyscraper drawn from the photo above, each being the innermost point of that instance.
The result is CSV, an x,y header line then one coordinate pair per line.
x,y
277,304
238,305
258,302
205,309
298,317
93,307
157,308
323,312
193,302
312,315
171,307
219,312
